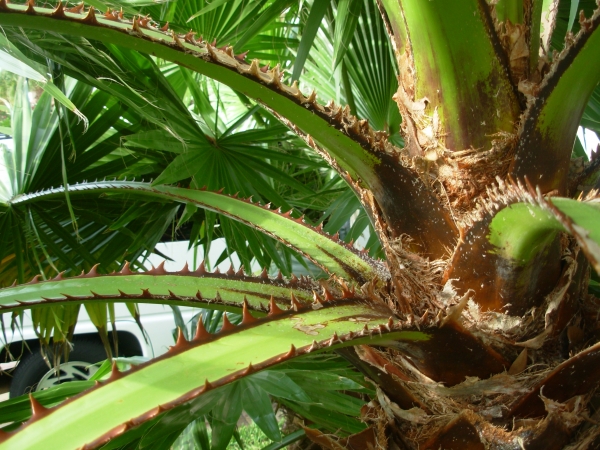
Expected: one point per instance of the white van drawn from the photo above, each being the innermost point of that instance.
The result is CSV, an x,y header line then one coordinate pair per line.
x,y
30,372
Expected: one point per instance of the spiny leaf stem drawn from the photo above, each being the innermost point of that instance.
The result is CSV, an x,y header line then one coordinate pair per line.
x,y
328,252
198,288
122,402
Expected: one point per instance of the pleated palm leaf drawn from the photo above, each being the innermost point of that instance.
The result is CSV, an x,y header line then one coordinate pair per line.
x,y
476,331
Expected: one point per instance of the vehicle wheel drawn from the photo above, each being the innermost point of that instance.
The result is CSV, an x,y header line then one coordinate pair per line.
x,y
32,373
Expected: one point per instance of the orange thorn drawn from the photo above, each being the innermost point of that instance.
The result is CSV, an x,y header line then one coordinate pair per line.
x,y
231,271
30,7
90,18
189,37
317,298
59,11
59,276
93,271
227,325
347,293
37,409
314,346
247,318
160,270
201,270
264,273
334,339
182,342
273,308
35,280
295,304
201,333
144,22
185,270
126,270
165,27
250,369
115,374
242,56
328,295
291,353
